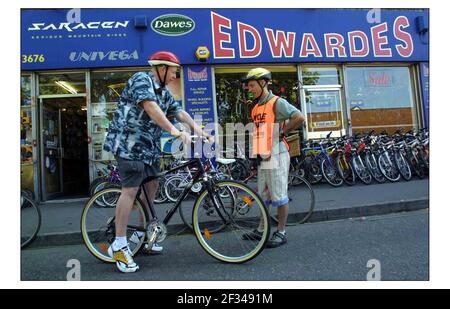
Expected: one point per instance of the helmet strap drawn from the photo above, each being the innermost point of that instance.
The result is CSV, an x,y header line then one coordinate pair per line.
x,y
262,90
165,76
162,82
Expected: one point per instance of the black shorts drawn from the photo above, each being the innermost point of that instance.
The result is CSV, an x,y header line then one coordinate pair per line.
x,y
132,173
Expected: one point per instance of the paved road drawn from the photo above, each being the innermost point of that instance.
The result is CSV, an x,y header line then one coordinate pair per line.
x,y
336,250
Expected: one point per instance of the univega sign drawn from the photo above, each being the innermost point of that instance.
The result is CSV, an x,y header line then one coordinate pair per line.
x,y
173,24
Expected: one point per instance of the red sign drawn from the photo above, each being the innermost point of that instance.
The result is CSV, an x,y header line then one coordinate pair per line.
x,y
379,79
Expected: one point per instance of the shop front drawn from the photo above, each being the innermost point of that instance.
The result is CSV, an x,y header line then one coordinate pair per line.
x,y
345,72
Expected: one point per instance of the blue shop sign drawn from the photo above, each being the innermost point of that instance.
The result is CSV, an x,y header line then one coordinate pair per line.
x,y
51,39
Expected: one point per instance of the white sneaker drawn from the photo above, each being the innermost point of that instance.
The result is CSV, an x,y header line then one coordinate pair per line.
x,y
135,239
124,260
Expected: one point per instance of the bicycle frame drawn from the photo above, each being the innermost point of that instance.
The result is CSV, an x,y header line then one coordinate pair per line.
x,y
192,163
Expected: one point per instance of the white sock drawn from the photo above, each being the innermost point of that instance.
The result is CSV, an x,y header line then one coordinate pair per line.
x,y
119,243
282,232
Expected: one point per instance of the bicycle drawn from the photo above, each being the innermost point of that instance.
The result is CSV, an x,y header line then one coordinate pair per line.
x,y
328,163
220,225
30,220
386,161
306,198
305,201
343,161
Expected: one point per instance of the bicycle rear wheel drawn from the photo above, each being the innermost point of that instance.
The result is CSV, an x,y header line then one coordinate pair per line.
x,y
330,173
301,207
234,241
403,166
98,224
30,221
388,168
95,183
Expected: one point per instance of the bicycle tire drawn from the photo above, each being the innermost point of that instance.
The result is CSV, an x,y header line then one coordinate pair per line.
x,y
28,205
374,169
415,164
95,183
252,205
299,217
339,181
173,189
361,171
392,174
314,172
106,216
403,166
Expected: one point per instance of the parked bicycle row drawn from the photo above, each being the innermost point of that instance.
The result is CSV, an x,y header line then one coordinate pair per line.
x,y
365,157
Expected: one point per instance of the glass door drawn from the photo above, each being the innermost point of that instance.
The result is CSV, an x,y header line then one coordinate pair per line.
x,y
323,111
51,150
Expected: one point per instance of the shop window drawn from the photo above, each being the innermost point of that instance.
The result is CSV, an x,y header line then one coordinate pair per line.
x,y
320,76
106,89
70,83
380,98
26,134
235,103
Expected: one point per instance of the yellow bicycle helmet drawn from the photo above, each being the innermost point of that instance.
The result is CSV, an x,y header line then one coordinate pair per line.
x,y
257,74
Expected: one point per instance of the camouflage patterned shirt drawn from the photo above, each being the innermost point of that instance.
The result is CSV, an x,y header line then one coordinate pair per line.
x,y
132,134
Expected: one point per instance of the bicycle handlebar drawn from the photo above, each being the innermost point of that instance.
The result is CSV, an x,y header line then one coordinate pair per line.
x,y
194,139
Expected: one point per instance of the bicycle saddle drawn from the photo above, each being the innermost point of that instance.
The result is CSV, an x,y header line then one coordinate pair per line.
x,y
225,161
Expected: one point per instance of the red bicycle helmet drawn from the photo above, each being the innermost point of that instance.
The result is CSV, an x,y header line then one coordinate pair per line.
x,y
164,57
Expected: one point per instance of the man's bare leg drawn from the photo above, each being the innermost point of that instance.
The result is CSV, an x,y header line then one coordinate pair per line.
x,y
123,209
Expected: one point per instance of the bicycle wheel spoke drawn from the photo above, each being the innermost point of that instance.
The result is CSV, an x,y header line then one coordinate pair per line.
x,y
230,243
98,226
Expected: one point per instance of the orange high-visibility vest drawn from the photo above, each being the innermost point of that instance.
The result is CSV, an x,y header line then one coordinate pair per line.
x,y
263,117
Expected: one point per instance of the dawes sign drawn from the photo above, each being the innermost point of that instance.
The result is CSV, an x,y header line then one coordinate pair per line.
x,y
173,24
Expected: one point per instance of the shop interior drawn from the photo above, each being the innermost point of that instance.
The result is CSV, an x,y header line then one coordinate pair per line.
x,y
65,147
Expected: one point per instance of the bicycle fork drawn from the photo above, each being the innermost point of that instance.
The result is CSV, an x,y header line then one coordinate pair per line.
x,y
217,203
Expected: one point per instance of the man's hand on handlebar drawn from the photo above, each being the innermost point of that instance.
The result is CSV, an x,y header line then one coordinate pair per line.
x,y
210,138
184,136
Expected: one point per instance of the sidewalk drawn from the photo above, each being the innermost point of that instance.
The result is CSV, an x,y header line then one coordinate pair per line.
x,y
61,221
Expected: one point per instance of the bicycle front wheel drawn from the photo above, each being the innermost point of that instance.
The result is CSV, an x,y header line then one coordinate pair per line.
x,y
98,223
30,221
235,240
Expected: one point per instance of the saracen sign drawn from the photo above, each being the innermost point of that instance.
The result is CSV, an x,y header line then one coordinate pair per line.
x,y
70,27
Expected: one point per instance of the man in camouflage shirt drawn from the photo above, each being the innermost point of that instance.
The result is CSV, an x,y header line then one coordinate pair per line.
x,y
133,137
